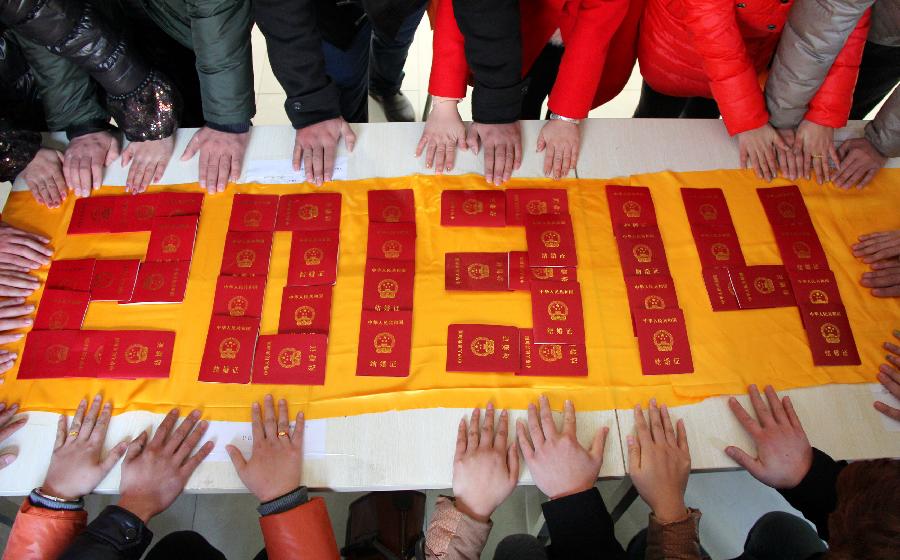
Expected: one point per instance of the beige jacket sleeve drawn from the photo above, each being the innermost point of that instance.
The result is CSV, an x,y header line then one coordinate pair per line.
x,y
454,536
679,540
884,131
812,39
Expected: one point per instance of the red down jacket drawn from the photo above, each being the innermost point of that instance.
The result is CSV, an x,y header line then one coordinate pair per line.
x,y
600,37
719,48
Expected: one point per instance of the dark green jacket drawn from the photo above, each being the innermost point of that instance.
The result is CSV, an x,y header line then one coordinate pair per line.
x,y
218,31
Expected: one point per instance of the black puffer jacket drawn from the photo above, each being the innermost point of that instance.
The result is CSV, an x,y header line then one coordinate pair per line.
x,y
19,95
143,101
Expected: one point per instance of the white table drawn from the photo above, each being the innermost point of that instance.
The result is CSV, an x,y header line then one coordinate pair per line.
x,y
414,449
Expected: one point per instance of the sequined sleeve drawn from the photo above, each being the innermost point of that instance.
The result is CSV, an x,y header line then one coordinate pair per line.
x,y
17,149
150,112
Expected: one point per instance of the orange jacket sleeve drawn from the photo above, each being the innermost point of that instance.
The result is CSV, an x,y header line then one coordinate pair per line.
x,y
449,69
732,75
42,534
586,46
830,106
301,533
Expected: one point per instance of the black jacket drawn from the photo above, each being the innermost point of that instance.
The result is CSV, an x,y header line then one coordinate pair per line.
x,y
142,101
816,495
294,30
19,98
493,46
580,527
116,534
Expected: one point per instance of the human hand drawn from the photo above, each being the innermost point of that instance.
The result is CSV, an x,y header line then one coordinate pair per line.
x,y
659,463
148,162
276,465
221,157
154,474
502,145
16,284
8,427
559,465
21,250
787,161
881,250
814,143
560,139
316,145
7,361
14,314
85,158
444,132
861,161
485,466
758,147
784,453
44,177
75,466
889,377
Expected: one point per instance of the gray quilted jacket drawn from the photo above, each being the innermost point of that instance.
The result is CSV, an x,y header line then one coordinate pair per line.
x,y
814,35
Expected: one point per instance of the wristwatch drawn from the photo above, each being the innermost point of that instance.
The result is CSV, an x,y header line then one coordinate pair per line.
x,y
555,117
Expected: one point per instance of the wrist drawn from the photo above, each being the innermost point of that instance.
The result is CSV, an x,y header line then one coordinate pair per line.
x,y
571,492
561,118
474,513
51,491
142,509
671,512
273,493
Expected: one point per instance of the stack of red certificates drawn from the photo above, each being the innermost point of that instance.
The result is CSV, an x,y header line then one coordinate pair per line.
x,y
730,283
57,347
235,352
385,332
821,308
657,320
556,343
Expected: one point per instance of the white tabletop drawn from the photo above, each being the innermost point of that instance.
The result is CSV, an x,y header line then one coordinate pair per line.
x,y
414,449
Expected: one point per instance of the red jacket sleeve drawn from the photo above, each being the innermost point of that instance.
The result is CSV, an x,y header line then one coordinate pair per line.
x,y
42,534
830,106
732,75
449,70
301,533
596,21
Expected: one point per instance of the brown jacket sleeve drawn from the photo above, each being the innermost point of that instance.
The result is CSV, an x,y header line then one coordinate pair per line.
x,y
301,533
679,540
454,536
42,534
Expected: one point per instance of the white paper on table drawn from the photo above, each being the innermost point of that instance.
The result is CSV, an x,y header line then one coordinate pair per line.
x,y
281,171
882,394
240,435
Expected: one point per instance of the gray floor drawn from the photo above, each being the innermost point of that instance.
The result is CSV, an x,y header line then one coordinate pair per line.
x,y
730,501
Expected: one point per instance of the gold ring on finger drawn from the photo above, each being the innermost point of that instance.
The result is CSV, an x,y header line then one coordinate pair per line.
x,y
818,156
73,434
282,433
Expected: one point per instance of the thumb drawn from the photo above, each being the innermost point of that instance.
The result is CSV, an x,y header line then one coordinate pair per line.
x,y
237,458
779,142
739,456
541,143
190,149
114,455
127,154
472,140
598,444
634,453
136,447
113,152
7,459
349,136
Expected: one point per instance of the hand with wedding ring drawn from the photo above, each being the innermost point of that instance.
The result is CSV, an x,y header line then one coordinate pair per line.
x,y
276,465
77,466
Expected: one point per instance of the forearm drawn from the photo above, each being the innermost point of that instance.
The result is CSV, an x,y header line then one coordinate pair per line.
x,y
17,149
816,495
884,131
579,525
493,47
41,532
452,535
220,34
809,45
116,534
679,540
295,52
297,528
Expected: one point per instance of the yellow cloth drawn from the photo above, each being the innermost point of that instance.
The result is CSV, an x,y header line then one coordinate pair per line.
x,y
730,349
